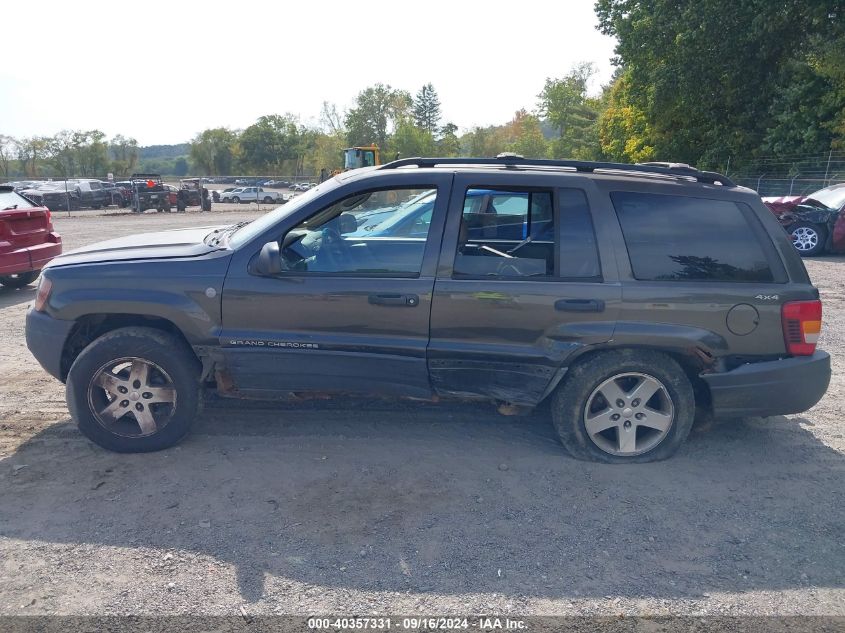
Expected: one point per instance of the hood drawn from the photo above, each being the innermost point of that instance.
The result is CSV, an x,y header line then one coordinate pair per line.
x,y
178,243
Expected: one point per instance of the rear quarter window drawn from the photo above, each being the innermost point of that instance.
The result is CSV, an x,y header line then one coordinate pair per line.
x,y
679,238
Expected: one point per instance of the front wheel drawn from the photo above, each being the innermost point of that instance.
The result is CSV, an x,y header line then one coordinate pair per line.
x,y
625,406
236,200
808,238
134,390
19,280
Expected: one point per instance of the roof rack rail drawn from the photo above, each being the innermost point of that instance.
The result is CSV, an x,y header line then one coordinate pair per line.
x,y
514,160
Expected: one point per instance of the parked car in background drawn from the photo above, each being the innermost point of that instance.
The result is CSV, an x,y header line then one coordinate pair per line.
x,y
149,192
27,239
117,194
816,222
252,194
53,195
217,195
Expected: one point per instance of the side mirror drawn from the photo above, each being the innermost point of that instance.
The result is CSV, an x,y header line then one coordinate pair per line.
x,y
269,260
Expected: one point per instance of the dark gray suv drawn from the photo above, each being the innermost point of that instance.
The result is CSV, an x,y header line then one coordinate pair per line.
x,y
627,296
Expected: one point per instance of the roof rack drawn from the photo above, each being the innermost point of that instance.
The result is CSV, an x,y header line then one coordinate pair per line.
x,y
679,170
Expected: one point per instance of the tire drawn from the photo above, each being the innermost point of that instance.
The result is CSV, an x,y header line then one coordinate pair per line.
x,y
268,200
19,280
236,200
808,238
172,376
582,394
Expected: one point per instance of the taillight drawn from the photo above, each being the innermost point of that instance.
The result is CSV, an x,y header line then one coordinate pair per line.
x,y
43,293
49,216
802,323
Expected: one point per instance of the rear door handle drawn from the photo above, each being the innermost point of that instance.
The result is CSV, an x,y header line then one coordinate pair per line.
x,y
408,301
579,305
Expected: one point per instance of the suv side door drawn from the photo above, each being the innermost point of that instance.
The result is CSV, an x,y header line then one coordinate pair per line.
x,y
521,286
326,325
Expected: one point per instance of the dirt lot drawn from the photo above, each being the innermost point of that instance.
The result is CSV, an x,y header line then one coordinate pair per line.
x,y
373,507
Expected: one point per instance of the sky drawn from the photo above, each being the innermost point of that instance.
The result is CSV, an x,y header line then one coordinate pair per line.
x,y
161,72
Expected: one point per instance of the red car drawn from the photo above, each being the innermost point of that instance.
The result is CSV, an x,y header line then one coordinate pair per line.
x,y
27,239
816,222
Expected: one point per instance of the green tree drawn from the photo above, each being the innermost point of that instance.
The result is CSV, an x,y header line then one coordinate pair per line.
x,y
214,151
448,144
409,140
719,77
31,153
427,109
270,141
377,111
565,104
124,155
8,148
180,166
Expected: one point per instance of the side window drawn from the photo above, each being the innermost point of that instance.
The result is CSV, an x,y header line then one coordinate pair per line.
x,y
381,232
676,238
506,234
512,234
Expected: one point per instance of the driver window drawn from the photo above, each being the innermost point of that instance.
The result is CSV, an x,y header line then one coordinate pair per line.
x,y
382,232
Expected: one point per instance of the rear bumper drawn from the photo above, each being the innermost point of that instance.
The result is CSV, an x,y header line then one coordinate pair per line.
x,y
29,258
45,338
780,387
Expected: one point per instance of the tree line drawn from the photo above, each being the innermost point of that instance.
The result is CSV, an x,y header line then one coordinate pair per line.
x,y
714,83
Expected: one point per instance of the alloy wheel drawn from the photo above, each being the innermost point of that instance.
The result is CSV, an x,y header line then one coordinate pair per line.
x,y
629,414
132,397
805,238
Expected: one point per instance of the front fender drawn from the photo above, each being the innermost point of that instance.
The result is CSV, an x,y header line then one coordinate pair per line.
x,y
186,293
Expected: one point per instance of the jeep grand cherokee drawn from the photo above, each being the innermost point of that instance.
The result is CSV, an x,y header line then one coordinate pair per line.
x,y
627,296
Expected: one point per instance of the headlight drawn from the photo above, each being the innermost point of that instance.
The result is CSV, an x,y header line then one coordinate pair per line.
x,y
45,286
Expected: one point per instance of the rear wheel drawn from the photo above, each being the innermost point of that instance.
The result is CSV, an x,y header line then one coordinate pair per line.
x,y
19,280
134,390
808,238
268,200
625,406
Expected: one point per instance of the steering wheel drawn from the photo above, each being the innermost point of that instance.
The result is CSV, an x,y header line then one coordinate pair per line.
x,y
333,252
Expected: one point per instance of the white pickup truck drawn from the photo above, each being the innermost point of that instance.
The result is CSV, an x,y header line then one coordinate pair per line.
x,y
252,194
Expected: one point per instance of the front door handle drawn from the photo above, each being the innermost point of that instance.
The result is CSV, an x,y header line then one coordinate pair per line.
x,y
408,301
579,305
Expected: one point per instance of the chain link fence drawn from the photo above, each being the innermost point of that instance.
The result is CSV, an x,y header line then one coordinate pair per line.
x,y
795,175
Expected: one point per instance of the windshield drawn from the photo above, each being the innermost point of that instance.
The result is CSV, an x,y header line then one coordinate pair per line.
x,y
257,227
833,198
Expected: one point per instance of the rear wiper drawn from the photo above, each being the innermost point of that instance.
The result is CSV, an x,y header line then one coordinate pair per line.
x,y
217,234
12,208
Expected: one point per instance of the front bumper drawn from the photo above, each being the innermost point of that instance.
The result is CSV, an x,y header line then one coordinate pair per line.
x,y
779,387
45,338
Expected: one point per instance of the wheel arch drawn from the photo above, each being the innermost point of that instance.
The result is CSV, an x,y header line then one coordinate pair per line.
x,y
90,327
693,360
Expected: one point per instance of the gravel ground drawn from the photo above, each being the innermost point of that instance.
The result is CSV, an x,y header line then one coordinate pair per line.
x,y
376,507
